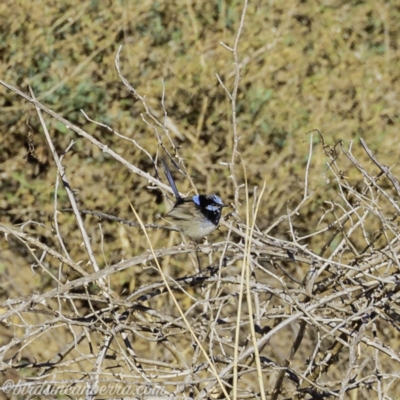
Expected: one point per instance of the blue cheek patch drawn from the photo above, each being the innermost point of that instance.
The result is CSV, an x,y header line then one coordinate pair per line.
x,y
210,207
196,200
216,199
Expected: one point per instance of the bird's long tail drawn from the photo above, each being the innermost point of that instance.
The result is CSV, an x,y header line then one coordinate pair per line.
x,y
171,181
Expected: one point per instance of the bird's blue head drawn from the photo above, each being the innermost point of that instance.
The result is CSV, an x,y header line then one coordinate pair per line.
x,y
210,206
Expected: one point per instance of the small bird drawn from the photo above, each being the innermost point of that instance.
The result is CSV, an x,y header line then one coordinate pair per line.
x,y
195,216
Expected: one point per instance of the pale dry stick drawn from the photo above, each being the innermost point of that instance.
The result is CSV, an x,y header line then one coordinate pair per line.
x,y
121,328
374,343
163,105
369,207
68,189
350,156
340,187
269,273
329,358
161,364
246,265
308,167
206,307
306,195
245,280
346,236
286,364
328,227
32,332
161,143
308,317
41,259
314,383
23,238
352,363
148,291
233,97
166,124
198,326
374,280
284,218
55,219
196,339
385,396
360,196
192,371
135,365
241,295
127,222
222,257
180,159
328,211
88,278
393,252
256,287
328,262
133,141
312,256
346,213
291,230
346,216
214,331
368,212
154,128
5,350
26,223
257,306
141,98
171,126
165,129
248,352
374,208
311,360
102,246
94,141
335,324
261,242
60,239
383,168
61,354
178,286
93,382
371,210
292,318
378,262
254,203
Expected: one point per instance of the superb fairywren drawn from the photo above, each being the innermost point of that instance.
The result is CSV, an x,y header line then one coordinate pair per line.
x,y
195,216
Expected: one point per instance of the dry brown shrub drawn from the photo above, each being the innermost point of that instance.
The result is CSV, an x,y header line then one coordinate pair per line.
x,y
297,296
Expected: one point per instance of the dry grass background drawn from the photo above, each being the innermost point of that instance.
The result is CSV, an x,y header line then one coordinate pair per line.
x,y
331,65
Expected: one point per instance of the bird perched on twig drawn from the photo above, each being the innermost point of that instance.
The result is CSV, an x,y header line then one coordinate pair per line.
x,y
196,216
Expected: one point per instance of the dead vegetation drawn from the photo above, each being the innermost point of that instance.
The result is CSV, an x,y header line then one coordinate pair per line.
x,y
297,295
